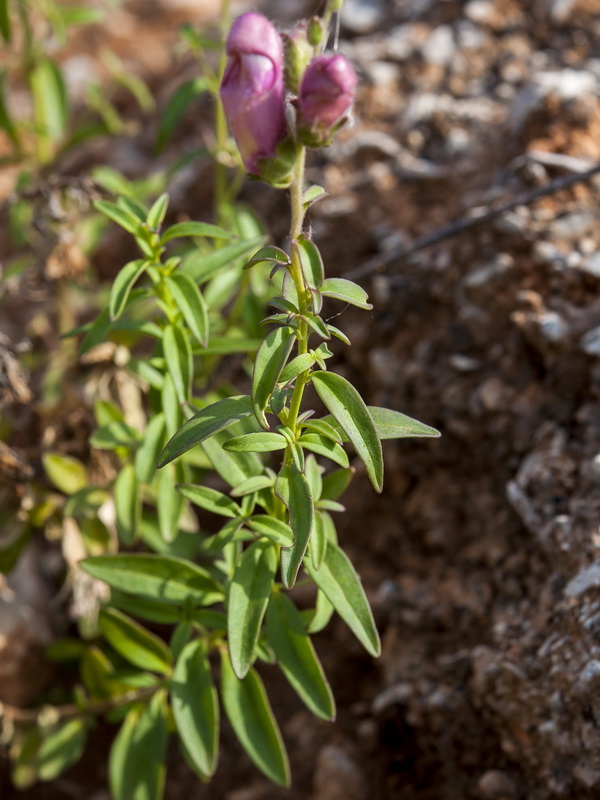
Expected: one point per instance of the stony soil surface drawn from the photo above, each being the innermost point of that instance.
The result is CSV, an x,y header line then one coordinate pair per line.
x,y
481,557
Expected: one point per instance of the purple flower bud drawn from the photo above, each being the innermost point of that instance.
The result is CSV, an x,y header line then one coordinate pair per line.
x,y
326,97
252,88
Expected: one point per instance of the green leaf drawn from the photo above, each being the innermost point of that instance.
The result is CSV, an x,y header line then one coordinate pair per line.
x,y
68,474
170,406
232,467
336,483
321,615
127,504
147,452
115,434
316,324
169,502
210,499
196,707
178,355
203,266
324,447
151,610
165,579
348,291
274,529
338,580
261,442
352,415
5,31
190,302
318,540
123,284
215,417
247,599
183,229
324,428
311,261
50,101
312,194
293,490
269,362
125,219
225,345
157,213
296,656
134,643
252,720
394,425
270,254
61,748
6,121
297,365
176,107
338,334
253,484
137,758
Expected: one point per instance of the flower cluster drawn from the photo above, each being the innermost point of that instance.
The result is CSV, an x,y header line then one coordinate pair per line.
x,y
254,87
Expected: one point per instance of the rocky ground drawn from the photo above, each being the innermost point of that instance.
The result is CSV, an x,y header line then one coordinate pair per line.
x,y
481,557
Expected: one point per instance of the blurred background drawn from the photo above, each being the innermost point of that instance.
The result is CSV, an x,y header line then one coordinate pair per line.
x,y
464,199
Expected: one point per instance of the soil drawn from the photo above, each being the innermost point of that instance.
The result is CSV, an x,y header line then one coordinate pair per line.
x,y
481,556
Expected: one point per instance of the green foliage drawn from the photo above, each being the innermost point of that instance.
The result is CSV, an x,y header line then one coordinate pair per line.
x,y
221,495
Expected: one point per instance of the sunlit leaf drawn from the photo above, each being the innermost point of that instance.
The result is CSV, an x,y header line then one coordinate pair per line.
x,y
251,717
296,656
247,599
293,490
270,360
196,707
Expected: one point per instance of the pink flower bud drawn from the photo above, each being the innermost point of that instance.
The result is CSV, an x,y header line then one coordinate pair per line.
x,y
326,97
252,88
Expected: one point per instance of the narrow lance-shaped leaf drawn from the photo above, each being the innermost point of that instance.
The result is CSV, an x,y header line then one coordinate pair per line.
x,y
137,757
133,642
206,423
260,442
203,266
311,261
293,490
184,229
167,579
338,580
251,717
157,212
274,529
274,255
127,504
348,291
196,707
296,656
123,284
247,599
190,302
61,748
270,360
178,355
324,447
210,499
352,415
150,447
169,503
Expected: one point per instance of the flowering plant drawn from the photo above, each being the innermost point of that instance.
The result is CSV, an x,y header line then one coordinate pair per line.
x,y
248,462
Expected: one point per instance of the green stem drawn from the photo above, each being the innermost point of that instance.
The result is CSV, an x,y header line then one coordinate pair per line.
x,y
296,196
221,131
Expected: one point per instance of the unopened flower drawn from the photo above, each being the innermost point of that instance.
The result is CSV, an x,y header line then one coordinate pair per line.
x,y
326,98
252,89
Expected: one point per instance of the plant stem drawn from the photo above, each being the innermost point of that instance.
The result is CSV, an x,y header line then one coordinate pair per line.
x,y
221,133
296,196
